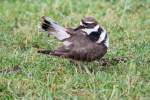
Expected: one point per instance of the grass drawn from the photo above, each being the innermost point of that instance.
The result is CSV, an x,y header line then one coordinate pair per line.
x,y
47,77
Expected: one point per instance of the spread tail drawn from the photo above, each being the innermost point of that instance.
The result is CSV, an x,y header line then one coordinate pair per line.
x,y
53,28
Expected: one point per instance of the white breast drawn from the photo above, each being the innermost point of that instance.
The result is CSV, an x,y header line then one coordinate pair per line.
x,y
107,42
102,37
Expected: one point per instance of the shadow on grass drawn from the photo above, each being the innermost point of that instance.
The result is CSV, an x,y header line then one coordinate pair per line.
x,y
102,64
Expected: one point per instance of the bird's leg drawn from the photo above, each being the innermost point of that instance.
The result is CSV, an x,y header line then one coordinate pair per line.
x,y
78,67
58,53
86,68
74,63
43,51
81,67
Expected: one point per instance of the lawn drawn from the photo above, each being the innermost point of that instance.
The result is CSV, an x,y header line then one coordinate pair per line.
x,y
46,77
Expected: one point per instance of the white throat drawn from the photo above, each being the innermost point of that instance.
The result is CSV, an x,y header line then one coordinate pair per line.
x,y
89,31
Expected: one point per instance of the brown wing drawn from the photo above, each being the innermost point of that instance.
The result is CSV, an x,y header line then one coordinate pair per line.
x,y
71,31
82,49
85,54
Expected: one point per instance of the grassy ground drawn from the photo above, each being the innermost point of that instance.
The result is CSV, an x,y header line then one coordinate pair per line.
x,y
47,77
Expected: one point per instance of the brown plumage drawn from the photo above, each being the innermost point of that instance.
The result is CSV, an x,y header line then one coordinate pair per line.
x,y
80,47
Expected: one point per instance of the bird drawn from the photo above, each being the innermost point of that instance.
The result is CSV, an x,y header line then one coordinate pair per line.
x,y
87,42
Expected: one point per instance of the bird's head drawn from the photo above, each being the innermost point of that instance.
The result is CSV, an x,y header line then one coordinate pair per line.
x,y
93,30
89,25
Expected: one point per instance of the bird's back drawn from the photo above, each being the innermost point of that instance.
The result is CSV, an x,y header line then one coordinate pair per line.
x,y
84,49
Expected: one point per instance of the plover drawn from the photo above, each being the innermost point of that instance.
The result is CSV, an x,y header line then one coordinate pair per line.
x,y
87,42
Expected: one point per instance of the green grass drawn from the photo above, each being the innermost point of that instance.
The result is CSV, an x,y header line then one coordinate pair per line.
x,y
47,77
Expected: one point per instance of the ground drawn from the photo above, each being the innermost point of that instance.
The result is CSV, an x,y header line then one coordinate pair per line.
x,y
43,77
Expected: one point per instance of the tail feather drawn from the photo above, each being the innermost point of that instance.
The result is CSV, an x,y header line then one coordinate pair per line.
x,y
53,28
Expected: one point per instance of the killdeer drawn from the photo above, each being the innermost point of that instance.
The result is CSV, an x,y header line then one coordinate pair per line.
x,y
87,42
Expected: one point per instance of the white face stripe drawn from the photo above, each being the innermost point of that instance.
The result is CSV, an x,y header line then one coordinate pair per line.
x,y
86,22
88,31
89,22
